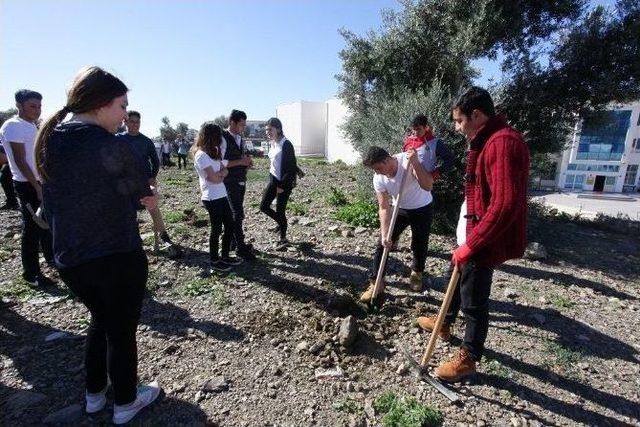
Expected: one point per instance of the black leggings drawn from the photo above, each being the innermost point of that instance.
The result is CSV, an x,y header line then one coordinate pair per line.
x,y
219,215
182,158
112,288
278,215
420,222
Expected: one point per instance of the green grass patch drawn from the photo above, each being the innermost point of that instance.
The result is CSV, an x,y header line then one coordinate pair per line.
x,y
257,175
199,287
563,357
20,290
297,208
336,197
406,411
173,217
361,213
561,301
495,368
311,161
348,406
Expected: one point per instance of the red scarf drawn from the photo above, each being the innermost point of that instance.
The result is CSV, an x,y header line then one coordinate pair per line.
x,y
413,142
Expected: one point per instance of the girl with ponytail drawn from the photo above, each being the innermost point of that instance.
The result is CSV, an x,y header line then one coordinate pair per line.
x,y
211,171
92,182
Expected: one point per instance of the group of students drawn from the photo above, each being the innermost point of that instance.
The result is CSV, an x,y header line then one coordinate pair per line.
x,y
92,181
180,147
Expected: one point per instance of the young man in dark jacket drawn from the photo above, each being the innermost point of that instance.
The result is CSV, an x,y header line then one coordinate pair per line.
x,y
237,162
497,173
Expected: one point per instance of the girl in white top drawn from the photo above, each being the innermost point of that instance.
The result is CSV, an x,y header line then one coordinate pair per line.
x,y
211,173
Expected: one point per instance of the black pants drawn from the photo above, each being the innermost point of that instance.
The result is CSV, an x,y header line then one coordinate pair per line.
x,y
472,294
182,158
235,194
420,222
112,288
6,180
166,159
33,237
270,193
219,215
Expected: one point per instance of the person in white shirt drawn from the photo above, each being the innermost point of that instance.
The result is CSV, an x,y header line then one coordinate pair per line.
x,y
282,177
211,171
18,136
416,209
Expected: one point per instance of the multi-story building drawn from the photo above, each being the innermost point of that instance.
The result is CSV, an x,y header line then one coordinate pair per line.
x,y
604,153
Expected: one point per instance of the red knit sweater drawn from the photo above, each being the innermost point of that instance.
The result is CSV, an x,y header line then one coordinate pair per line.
x,y
497,174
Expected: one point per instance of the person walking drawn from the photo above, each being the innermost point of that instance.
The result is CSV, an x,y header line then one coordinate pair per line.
x,y
183,150
92,182
282,177
165,151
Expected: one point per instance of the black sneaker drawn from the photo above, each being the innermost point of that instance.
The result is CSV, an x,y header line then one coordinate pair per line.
x,y
231,260
41,281
219,267
164,238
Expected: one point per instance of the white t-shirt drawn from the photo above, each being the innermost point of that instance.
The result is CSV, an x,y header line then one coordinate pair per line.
x,y
461,229
210,191
413,196
23,132
275,154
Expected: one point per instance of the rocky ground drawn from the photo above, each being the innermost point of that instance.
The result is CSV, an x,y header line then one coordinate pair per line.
x,y
263,346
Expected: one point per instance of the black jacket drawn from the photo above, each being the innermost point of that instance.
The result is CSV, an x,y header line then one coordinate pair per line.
x,y
233,152
289,166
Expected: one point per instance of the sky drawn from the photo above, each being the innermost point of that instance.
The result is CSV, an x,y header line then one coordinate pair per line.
x,y
189,60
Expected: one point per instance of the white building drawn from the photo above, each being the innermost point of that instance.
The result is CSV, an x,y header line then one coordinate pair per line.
x,y
314,129
604,153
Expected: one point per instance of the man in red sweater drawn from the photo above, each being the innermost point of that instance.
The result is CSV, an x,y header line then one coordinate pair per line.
x,y
497,173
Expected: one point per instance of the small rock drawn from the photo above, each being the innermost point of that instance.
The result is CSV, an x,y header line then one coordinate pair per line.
x,y
510,293
402,369
316,347
302,346
347,233
535,251
348,331
216,385
68,415
329,374
361,230
368,408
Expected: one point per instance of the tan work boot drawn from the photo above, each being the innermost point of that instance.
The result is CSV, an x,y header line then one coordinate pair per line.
x,y
428,323
458,367
368,294
415,281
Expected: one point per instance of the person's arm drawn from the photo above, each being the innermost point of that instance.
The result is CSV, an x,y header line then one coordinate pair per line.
x,y
215,177
20,157
445,156
288,166
153,157
384,213
506,160
425,179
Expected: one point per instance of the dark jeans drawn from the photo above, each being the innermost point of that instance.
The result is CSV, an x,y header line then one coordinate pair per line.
x,y
6,180
33,237
166,159
472,294
235,194
279,215
182,158
112,288
219,215
420,222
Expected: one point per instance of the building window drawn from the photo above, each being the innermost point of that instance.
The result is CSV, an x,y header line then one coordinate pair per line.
x,y
630,176
610,180
568,182
579,181
593,168
603,135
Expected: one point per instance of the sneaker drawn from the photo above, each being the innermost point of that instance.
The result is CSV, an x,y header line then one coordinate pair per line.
x,y
458,367
165,239
219,266
428,323
415,281
96,401
146,395
9,207
40,281
231,260
368,294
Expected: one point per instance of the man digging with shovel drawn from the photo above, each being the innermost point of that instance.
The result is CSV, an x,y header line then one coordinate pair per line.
x,y
496,177
402,177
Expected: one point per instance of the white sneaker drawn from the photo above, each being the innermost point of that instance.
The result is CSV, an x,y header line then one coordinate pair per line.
x,y
96,401
146,395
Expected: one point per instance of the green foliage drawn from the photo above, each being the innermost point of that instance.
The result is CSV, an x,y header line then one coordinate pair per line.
x,y
562,301
336,197
362,213
493,367
406,411
297,208
563,357
222,121
174,217
20,290
348,406
7,114
199,287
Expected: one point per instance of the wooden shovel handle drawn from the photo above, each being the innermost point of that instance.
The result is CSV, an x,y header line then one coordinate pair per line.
x,y
453,283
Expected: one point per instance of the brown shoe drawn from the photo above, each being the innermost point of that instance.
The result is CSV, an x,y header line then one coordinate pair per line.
x,y
428,323
415,281
458,367
368,294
